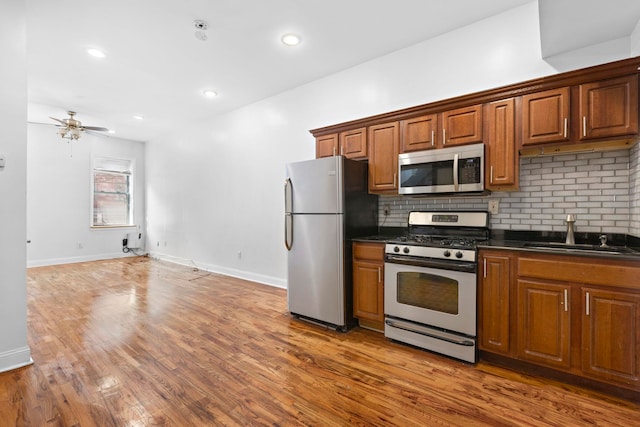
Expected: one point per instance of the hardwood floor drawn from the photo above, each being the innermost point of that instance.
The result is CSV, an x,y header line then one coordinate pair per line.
x,y
139,342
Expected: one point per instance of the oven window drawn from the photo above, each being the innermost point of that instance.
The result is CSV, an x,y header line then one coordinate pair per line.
x,y
428,291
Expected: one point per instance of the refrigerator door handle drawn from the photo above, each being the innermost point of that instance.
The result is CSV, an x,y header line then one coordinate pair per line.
x,y
288,231
288,196
288,217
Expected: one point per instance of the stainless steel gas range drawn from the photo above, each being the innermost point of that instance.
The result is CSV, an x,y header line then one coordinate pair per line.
x,y
431,283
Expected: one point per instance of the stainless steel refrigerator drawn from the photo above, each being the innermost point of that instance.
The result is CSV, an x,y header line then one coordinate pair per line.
x,y
326,204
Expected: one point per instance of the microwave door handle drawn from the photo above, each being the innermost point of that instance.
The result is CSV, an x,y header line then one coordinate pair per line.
x,y
455,172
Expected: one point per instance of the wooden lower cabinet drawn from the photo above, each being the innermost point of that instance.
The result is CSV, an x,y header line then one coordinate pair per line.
x,y
368,284
544,323
494,295
611,335
573,314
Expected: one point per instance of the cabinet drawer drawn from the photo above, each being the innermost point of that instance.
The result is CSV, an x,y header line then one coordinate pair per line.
x,y
373,251
563,269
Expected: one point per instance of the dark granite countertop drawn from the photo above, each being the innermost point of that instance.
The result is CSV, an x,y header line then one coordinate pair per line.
x,y
621,246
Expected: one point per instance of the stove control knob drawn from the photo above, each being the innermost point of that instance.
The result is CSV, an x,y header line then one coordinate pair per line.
x,y
396,249
458,254
447,253
405,250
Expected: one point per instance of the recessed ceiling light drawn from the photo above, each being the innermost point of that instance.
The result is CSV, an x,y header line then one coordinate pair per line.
x,y
111,131
210,93
96,53
291,39
138,117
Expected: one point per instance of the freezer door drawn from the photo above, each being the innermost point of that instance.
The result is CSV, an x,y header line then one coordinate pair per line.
x,y
315,186
316,287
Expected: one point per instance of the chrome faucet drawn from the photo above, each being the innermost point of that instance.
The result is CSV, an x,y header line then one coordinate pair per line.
x,y
571,219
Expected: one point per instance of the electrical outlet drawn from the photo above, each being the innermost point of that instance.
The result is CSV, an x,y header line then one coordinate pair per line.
x,y
239,254
494,206
386,210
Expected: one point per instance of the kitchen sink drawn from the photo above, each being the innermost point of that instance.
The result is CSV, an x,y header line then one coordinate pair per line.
x,y
581,248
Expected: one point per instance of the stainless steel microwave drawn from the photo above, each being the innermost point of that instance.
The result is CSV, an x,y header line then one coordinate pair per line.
x,y
445,170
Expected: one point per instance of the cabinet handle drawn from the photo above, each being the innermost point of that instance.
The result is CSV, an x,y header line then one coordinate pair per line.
x,y
444,137
566,306
379,275
433,138
491,175
334,150
342,150
584,125
566,124
394,180
485,267
587,303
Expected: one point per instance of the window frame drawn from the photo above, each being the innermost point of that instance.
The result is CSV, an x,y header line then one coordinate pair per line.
x,y
115,166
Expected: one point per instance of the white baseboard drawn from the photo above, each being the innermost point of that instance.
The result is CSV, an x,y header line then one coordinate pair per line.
x,y
211,268
14,359
72,260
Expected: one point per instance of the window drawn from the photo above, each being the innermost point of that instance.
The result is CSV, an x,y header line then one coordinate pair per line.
x,y
112,192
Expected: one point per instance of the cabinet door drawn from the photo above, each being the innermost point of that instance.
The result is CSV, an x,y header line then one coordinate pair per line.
x,y
368,290
418,133
544,323
611,335
383,158
545,117
462,126
493,327
327,145
609,108
353,143
502,153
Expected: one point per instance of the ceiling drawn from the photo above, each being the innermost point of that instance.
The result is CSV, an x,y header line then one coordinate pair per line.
x,y
155,66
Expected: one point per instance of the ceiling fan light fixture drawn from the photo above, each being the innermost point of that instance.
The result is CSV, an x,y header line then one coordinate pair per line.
x,y
96,53
291,39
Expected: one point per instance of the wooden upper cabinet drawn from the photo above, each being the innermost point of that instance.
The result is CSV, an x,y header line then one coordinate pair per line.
x,y
609,108
462,126
545,116
327,145
353,143
501,151
383,157
418,133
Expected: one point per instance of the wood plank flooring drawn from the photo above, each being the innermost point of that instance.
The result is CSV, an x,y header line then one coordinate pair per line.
x,y
140,342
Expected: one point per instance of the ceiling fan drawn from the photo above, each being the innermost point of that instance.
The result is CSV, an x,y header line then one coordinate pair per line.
x,y
71,128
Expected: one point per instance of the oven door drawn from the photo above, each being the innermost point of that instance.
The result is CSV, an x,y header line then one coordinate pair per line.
x,y
436,297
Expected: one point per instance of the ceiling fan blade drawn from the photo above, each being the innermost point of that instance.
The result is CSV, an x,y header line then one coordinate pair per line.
x,y
46,124
90,132
100,129
58,120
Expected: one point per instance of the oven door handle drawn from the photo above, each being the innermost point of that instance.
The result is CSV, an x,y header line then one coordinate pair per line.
x,y
432,333
467,267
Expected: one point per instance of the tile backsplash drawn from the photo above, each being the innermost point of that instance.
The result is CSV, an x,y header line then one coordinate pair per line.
x,y
601,189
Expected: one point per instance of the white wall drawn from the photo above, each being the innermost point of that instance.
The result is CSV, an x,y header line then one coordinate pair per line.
x,y
215,189
14,349
59,197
